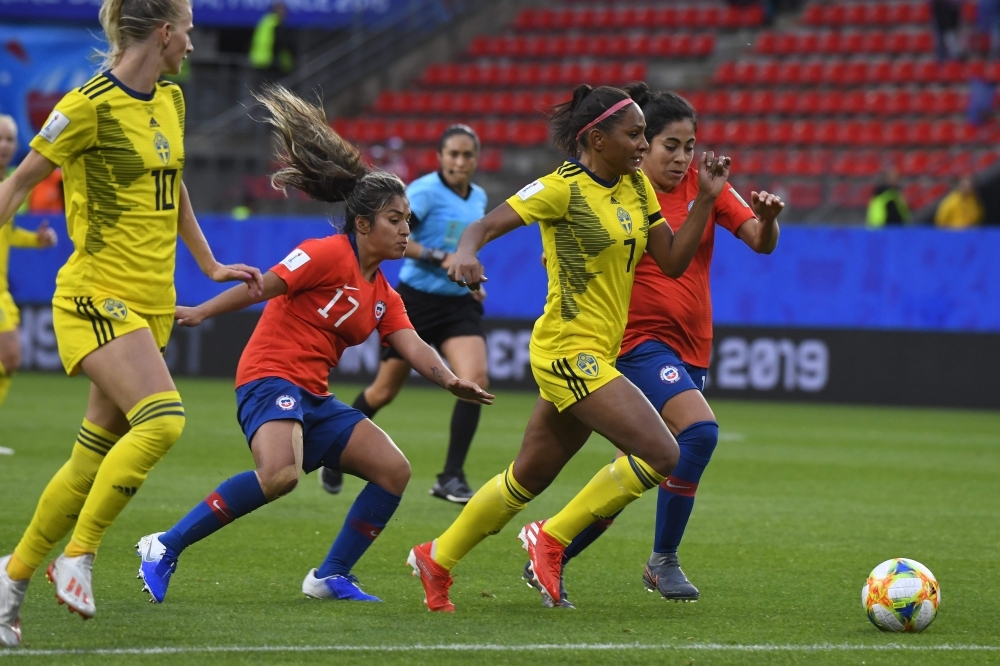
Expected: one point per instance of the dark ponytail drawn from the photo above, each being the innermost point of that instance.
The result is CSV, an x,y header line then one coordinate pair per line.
x,y
567,119
661,109
318,161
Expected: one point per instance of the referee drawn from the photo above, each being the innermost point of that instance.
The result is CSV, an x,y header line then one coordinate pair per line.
x,y
443,313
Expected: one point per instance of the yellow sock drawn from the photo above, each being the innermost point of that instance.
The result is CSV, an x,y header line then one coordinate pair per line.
x,y
4,383
62,500
487,512
611,490
156,423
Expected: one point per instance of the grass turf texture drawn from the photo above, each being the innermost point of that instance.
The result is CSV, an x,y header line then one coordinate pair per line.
x,y
798,505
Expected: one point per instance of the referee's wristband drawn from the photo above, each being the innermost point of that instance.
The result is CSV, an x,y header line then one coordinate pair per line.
x,y
435,257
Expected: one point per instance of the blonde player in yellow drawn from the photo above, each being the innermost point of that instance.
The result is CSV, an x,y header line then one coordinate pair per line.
x,y
11,236
598,213
119,140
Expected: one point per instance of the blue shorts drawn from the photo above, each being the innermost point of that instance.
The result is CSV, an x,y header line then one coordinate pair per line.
x,y
327,423
660,373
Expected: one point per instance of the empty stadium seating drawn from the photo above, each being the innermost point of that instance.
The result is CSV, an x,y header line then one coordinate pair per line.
x,y
818,109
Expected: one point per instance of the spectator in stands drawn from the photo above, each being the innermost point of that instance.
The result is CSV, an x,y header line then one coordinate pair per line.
x,y
272,45
961,209
888,206
47,196
982,96
946,15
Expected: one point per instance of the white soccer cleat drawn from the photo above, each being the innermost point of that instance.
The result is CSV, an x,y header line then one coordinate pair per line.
x,y
11,597
343,588
72,578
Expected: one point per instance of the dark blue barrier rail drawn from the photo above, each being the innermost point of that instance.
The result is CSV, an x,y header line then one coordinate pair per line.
x,y
902,279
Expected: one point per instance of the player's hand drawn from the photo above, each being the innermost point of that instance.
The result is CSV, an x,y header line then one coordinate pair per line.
x,y
713,174
448,260
466,270
545,261
242,273
470,391
186,316
46,235
479,294
766,206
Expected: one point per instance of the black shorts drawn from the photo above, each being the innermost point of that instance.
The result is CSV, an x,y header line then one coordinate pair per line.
x,y
438,318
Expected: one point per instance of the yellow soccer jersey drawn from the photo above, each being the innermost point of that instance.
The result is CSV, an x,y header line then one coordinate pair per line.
x,y
122,156
593,233
11,236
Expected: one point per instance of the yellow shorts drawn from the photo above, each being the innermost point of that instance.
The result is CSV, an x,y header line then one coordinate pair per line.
x,y
564,380
83,324
10,316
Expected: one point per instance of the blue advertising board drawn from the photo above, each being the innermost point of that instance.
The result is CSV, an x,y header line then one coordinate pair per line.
x,y
828,277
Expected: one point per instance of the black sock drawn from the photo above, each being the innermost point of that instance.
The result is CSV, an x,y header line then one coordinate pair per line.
x,y
362,406
464,421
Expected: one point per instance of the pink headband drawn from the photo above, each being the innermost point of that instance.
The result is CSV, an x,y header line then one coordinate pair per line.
x,y
620,105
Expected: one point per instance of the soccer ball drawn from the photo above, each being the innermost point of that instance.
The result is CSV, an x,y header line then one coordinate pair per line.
x,y
901,595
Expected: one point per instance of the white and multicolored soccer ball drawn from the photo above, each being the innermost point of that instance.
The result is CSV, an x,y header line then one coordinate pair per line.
x,y
901,595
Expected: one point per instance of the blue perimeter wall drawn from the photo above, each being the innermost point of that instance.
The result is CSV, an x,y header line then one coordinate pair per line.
x,y
828,277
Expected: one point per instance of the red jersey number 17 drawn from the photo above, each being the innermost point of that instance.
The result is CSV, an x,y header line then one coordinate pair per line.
x,y
325,311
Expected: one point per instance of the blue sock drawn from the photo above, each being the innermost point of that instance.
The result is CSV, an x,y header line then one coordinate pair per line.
x,y
368,516
676,495
588,536
236,497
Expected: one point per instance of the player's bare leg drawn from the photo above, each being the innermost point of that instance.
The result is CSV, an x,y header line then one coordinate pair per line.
x,y
389,381
10,360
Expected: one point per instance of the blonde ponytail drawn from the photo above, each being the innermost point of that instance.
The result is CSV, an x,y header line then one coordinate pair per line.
x,y
128,22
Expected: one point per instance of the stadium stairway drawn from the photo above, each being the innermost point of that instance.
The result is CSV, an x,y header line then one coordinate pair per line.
x,y
815,107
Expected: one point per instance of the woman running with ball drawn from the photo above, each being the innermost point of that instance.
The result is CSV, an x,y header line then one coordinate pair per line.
x,y
325,296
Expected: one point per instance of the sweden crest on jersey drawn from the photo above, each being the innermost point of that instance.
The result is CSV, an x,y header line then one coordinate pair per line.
x,y
587,364
115,308
625,220
162,147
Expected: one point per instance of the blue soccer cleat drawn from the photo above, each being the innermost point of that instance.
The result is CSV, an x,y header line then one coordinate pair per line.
x,y
156,568
342,588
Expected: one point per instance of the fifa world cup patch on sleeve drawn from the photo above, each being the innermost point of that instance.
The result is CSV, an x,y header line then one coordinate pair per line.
x,y
55,125
530,190
296,259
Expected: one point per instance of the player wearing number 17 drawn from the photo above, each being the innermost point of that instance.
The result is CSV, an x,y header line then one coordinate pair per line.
x,y
327,295
598,214
119,139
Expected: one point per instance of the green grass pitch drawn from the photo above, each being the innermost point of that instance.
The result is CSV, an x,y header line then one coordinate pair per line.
x,y
797,507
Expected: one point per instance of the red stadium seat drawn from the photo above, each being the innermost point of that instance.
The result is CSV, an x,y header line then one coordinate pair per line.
x,y
915,163
879,71
813,15
716,103
833,15
803,132
761,102
829,103
809,102
725,74
745,72
853,102
785,102
767,43
855,14
828,43
853,42
903,71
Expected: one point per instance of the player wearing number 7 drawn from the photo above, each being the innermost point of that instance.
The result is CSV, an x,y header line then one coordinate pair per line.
x,y
597,214
325,296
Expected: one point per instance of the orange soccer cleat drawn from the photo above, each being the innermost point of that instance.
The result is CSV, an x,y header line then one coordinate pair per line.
x,y
545,555
435,578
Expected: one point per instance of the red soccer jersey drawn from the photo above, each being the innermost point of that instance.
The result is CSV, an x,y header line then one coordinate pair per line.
x,y
679,312
328,307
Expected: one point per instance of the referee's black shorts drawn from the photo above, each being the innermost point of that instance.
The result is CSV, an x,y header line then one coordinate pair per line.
x,y
438,318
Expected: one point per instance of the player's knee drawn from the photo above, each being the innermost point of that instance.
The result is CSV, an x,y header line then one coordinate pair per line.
x,y
663,455
11,360
396,475
278,482
698,441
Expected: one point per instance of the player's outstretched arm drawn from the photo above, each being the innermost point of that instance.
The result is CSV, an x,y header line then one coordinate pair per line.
x,y
425,360
464,267
235,298
673,252
15,189
190,232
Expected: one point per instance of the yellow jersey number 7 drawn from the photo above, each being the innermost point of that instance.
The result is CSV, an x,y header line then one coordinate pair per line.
x,y
631,254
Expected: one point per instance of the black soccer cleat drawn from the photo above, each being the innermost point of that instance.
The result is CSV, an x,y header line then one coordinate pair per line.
x,y
452,489
663,574
529,576
332,480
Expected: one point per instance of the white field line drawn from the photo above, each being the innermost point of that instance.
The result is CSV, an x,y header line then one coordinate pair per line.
x,y
4,451
461,647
